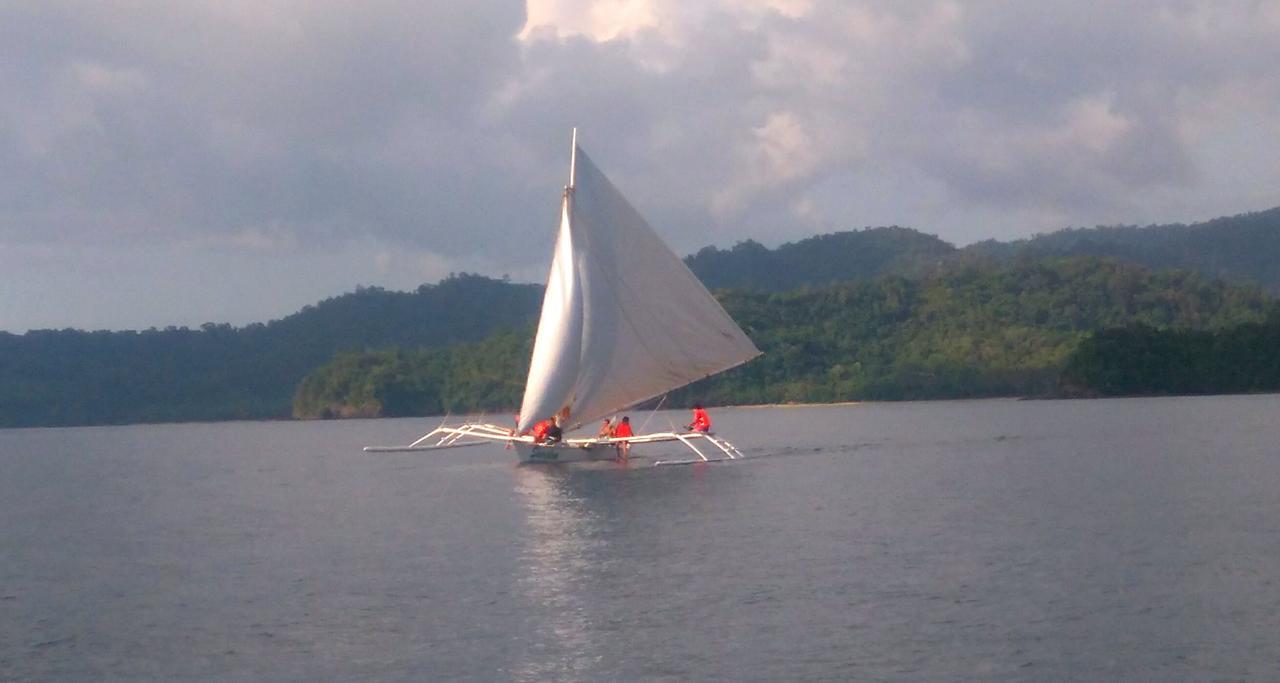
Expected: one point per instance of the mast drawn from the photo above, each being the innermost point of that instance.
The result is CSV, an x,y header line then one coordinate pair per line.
x,y
573,158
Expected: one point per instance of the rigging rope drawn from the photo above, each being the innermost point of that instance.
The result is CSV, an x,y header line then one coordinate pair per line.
x,y
655,412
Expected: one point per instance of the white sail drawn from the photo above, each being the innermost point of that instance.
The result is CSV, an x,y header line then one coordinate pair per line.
x,y
623,319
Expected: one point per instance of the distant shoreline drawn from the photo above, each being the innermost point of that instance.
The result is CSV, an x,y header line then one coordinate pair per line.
x,y
753,406
796,404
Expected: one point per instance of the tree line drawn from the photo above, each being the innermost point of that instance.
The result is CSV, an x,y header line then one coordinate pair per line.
x,y
1139,360
978,329
1237,249
220,372
883,313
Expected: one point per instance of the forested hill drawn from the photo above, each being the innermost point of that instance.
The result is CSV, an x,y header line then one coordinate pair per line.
x,y
821,260
459,308
70,377
1243,249
1144,361
977,330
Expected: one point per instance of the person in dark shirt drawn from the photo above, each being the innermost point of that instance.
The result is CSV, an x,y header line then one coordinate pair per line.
x,y
554,433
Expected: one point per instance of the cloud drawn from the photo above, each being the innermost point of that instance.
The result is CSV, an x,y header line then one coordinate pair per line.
x,y
212,117
441,128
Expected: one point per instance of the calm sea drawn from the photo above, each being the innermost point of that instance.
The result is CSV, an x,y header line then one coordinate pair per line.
x,y
987,540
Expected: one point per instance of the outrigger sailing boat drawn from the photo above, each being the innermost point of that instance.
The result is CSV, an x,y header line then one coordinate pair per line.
x,y
623,321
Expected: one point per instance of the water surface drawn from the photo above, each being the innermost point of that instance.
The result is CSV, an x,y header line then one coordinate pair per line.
x,y
1005,540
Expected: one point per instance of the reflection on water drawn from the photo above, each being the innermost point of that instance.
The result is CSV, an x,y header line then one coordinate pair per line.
x,y
561,547
596,545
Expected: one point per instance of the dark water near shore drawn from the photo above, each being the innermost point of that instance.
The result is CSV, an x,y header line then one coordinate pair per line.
x,y
996,540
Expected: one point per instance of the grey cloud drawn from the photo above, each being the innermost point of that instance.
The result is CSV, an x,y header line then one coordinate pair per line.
x,y
1150,62
430,127
236,121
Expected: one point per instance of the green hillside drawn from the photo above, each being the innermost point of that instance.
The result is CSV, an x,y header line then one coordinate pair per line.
x,y
876,313
466,378
980,330
821,260
1239,249
1141,360
1243,248
70,377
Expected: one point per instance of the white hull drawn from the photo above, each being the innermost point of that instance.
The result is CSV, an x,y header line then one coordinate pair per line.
x,y
564,453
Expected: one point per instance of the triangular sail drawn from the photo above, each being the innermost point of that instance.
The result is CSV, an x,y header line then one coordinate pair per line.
x,y
623,319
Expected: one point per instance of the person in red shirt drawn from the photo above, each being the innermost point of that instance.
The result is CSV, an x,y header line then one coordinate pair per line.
x,y
623,430
701,421
540,430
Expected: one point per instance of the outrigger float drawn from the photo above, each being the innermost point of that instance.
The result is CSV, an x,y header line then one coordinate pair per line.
x,y
623,321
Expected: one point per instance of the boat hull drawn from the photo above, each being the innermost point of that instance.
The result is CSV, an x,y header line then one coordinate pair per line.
x,y
532,453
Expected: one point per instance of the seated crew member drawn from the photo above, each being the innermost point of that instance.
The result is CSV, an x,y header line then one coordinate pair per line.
x,y
554,433
623,430
701,421
606,429
539,431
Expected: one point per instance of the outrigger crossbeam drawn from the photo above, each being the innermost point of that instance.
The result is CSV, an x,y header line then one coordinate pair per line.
x,y
593,448
455,437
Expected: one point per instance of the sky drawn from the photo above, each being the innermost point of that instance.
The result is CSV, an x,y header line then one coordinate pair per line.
x,y
169,163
